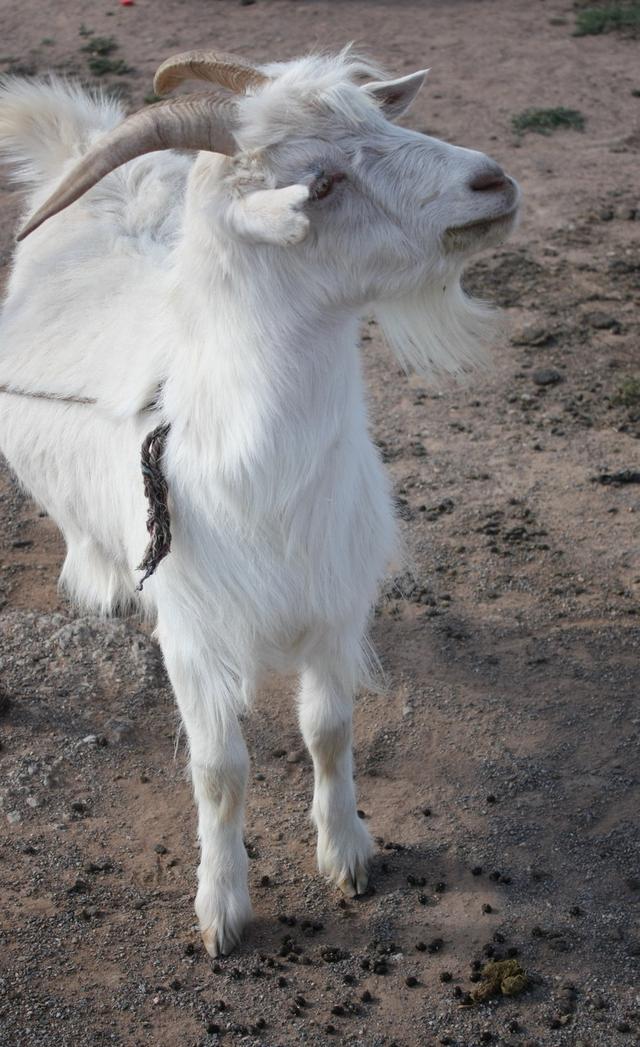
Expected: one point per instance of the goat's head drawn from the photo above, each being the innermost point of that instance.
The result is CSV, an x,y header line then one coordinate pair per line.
x,y
392,214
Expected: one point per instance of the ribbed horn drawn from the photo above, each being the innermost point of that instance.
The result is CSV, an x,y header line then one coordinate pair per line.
x,y
200,121
236,74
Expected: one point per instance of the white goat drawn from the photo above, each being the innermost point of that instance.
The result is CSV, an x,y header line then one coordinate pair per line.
x,y
221,293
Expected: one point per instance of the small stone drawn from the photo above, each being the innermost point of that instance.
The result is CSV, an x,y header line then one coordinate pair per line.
x,y
366,996
160,848
547,376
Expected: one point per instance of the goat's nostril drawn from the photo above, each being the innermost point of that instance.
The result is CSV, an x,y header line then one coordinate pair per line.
x,y
489,181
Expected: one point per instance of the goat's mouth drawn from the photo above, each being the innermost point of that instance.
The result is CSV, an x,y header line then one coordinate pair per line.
x,y
480,232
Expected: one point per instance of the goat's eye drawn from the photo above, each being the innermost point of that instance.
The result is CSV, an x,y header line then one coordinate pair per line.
x,y
322,185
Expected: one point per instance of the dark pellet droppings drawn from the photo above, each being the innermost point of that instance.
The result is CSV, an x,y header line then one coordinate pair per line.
x,y
477,870
330,1029
265,881
338,1010
366,996
486,908
445,976
491,798
440,887
514,1026
411,981
349,979
421,946
160,848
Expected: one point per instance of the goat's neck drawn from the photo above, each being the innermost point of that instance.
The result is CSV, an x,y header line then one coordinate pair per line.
x,y
266,384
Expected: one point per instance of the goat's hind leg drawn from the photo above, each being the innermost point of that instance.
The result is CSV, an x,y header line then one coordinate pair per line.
x,y
219,770
344,844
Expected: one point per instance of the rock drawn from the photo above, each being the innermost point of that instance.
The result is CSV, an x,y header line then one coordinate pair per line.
x,y
295,756
120,729
603,322
547,376
535,335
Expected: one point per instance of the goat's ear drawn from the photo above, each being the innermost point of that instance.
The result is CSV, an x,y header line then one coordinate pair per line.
x,y
395,96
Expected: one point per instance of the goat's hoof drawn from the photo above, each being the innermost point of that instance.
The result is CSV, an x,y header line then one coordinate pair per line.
x,y
355,883
221,925
347,864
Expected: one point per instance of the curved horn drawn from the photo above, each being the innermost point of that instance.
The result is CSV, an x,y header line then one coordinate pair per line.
x,y
192,122
236,74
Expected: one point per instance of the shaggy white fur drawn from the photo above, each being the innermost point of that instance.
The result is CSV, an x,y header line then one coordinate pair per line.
x,y
237,285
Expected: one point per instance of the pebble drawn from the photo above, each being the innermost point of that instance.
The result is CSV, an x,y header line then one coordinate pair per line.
x,y
547,376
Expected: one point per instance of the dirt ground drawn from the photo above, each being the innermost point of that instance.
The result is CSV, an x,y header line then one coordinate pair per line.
x,y
499,769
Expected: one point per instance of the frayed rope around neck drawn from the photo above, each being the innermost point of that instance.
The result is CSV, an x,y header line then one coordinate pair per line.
x,y
156,493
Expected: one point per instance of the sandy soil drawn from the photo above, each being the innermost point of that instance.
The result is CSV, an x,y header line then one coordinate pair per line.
x,y
507,737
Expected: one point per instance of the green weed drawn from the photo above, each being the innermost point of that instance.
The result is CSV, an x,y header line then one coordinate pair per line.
x,y
628,393
101,45
615,17
545,121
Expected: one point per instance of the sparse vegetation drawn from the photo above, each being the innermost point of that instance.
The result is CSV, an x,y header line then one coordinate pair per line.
x,y
628,393
608,18
101,45
545,121
100,66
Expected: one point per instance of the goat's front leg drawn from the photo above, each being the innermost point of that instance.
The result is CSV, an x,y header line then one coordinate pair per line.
x,y
219,769
344,844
